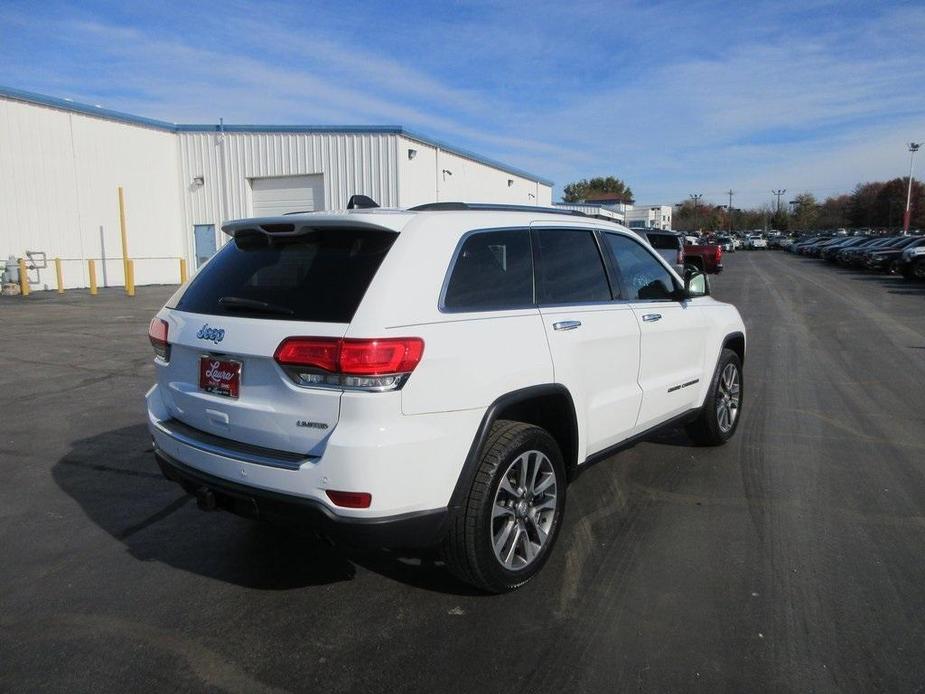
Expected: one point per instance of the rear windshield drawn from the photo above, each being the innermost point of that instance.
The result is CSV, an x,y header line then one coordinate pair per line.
x,y
663,241
318,276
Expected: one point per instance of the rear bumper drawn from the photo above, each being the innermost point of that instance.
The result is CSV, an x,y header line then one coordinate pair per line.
x,y
418,529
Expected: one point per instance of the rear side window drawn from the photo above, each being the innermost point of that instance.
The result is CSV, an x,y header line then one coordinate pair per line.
x,y
644,278
493,270
318,276
569,267
664,242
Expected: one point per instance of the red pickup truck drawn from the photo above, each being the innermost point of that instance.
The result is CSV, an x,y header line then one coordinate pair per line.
x,y
707,258
672,247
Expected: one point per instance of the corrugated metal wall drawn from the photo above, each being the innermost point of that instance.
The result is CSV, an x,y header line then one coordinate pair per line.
x,y
350,163
59,174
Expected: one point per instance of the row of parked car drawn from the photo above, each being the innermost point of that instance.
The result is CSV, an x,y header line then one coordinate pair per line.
x,y
751,241
895,254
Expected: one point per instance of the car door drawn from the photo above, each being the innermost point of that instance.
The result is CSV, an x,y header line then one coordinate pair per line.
x,y
594,340
672,332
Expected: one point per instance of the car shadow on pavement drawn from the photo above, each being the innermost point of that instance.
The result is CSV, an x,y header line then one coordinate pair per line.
x,y
114,479
894,284
672,436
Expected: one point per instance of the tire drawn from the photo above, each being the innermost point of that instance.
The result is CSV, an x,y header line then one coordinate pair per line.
x,y
895,267
469,549
712,428
918,269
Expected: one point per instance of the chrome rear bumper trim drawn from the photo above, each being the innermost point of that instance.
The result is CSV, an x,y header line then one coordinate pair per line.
x,y
227,448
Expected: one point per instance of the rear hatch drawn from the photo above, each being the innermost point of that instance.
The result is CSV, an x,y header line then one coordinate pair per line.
x,y
224,329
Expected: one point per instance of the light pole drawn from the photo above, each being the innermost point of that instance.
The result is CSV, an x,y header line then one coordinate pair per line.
x,y
730,193
696,198
913,148
779,194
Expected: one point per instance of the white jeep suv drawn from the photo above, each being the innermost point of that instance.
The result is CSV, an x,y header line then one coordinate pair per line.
x,y
433,376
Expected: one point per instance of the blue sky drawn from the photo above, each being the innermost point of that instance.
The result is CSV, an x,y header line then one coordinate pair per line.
x,y
673,97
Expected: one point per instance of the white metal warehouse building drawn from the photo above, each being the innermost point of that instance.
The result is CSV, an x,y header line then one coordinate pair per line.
x,y
61,164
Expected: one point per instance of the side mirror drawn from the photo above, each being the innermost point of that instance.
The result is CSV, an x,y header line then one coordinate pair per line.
x,y
696,284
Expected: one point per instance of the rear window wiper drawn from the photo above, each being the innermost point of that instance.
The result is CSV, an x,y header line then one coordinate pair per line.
x,y
236,302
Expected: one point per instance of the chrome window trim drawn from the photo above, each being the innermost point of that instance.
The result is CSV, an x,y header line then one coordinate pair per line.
x,y
658,259
441,304
606,257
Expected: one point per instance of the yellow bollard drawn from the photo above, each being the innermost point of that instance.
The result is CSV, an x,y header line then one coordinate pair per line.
x,y
130,278
23,278
183,275
91,268
125,260
58,273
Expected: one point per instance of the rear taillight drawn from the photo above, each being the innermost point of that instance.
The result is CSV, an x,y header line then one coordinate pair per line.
x,y
157,333
317,352
350,499
362,364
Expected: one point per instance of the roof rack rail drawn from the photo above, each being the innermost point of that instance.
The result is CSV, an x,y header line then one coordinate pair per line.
x,y
491,206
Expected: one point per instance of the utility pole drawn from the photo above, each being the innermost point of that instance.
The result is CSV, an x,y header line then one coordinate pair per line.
x,y
729,209
913,148
779,194
696,197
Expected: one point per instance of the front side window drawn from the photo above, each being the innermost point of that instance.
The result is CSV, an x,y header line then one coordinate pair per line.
x,y
569,269
644,278
493,270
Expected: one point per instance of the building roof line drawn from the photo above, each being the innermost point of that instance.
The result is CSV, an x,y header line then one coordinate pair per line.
x,y
86,109
130,119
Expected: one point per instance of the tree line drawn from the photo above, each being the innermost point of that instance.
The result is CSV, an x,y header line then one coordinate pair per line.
x,y
874,205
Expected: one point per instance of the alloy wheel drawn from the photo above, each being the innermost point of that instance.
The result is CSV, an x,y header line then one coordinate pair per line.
x,y
524,510
727,401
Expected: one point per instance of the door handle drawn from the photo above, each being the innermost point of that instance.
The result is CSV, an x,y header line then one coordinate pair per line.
x,y
651,317
566,325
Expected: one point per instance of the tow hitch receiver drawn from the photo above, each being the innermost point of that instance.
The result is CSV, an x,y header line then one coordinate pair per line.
x,y
205,499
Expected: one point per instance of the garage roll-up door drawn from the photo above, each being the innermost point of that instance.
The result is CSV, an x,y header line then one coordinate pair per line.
x,y
282,194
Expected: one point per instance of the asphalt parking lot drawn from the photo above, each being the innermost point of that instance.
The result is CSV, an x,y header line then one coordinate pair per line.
x,y
789,560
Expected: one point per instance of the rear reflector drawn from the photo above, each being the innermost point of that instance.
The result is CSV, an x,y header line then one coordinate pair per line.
x,y
157,334
350,499
370,364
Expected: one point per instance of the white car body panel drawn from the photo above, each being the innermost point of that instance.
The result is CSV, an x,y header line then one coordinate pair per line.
x,y
667,373
596,363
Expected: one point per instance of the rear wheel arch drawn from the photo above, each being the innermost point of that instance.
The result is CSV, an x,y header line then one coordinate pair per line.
x,y
548,406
